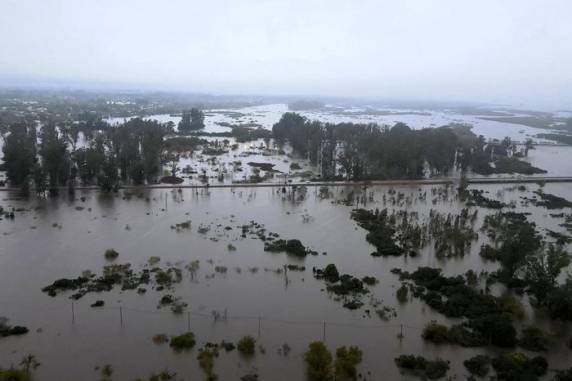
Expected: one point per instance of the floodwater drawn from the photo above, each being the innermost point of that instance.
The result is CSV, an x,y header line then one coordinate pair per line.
x,y
554,159
55,238
267,115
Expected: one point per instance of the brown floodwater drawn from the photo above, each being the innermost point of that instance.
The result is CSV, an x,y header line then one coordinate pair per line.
x,y
55,238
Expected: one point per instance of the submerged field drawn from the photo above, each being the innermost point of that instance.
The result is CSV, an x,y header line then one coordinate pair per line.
x,y
223,285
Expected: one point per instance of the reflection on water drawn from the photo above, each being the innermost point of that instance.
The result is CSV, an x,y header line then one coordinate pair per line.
x,y
54,238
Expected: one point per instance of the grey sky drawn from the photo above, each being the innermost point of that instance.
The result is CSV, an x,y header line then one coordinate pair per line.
x,y
490,50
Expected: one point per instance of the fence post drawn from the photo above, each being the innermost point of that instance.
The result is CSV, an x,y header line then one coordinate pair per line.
x,y
73,313
121,315
259,326
188,321
324,331
400,336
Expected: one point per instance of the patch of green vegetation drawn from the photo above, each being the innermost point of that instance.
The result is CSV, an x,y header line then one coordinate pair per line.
x,y
381,232
206,363
318,361
512,306
488,322
478,365
14,375
551,201
369,280
106,372
419,366
291,246
246,346
24,373
514,165
402,294
518,366
476,197
111,254
533,339
473,333
153,260
6,330
184,341
347,359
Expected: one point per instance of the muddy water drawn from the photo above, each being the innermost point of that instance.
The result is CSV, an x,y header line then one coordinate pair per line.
x,y
59,238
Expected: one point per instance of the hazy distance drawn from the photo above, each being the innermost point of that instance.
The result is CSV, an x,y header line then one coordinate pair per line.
x,y
509,51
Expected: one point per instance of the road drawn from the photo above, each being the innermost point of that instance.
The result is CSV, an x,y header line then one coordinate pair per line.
x,y
471,180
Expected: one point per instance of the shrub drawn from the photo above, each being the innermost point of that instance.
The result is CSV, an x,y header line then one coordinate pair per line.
x,y
402,294
513,306
346,361
246,345
331,273
111,254
533,339
318,362
436,369
436,333
498,329
423,368
478,365
517,366
206,362
183,341
369,280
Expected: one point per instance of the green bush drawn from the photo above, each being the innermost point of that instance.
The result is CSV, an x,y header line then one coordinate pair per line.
x,y
111,254
533,339
517,366
318,362
478,365
246,345
423,368
14,375
436,333
402,294
346,361
183,341
206,362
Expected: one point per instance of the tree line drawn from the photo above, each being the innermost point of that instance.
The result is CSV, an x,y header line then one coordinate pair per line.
x,y
50,158
369,151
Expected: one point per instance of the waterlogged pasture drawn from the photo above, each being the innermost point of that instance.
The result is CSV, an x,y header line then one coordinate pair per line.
x,y
228,285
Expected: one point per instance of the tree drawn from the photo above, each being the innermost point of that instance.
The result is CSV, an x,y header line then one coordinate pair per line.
x,y
318,362
55,157
528,145
40,180
108,177
197,119
185,123
89,161
152,134
71,134
346,361
542,270
192,120
19,154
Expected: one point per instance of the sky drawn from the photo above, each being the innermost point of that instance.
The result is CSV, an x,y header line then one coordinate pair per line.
x,y
507,51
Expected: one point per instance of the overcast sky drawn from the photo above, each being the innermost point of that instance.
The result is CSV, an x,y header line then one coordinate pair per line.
x,y
487,50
